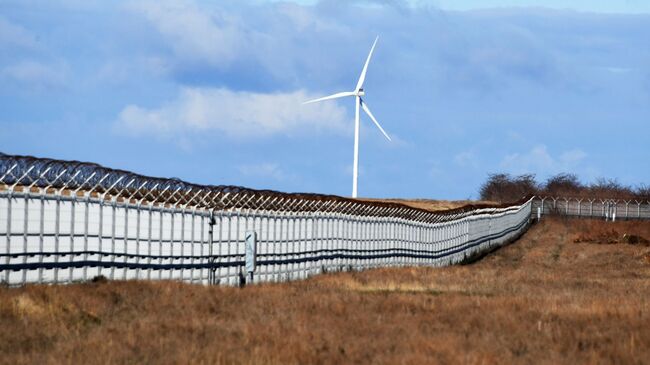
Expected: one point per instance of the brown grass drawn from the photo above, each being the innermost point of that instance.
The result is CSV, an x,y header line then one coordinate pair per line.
x,y
544,299
428,204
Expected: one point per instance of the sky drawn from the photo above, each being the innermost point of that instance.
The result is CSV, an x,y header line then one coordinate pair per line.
x,y
211,92
594,6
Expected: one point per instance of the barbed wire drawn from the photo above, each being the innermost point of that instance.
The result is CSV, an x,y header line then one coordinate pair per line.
x,y
96,181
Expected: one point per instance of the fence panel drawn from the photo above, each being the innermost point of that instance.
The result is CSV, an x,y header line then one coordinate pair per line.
x,y
62,222
592,208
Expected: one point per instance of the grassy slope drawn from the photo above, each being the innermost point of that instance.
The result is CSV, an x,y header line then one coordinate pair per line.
x,y
544,299
432,205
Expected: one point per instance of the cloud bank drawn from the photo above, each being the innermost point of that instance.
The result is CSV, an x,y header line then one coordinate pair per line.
x,y
235,114
540,160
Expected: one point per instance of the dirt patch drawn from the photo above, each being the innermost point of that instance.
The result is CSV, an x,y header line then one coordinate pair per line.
x,y
646,258
611,237
607,237
632,239
25,306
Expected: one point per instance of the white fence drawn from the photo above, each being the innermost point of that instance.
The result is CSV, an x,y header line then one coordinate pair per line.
x,y
62,222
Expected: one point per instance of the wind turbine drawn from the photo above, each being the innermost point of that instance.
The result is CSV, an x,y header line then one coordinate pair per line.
x,y
357,93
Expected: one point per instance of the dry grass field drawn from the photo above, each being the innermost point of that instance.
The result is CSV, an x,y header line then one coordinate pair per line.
x,y
568,292
432,205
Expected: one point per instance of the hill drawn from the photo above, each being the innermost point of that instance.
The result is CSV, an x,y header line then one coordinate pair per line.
x,y
432,205
568,291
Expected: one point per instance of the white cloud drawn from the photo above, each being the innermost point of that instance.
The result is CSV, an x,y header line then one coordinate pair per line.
x,y
198,34
573,156
35,74
15,35
538,160
279,41
118,70
617,69
466,159
266,170
436,171
515,136
236,114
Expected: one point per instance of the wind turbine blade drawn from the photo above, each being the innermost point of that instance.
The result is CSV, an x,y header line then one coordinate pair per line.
x,y
362,78
365,109
333,96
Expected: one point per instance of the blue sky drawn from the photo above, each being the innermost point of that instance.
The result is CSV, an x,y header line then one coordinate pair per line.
x,y
211,92
594,6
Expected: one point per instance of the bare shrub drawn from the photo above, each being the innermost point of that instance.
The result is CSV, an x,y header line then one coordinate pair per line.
x,y
501,187
642,192
506,188
563,185
610,188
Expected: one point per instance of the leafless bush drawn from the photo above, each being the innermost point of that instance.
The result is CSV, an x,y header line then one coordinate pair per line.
x,y
506,188
563,185
643,192
611,188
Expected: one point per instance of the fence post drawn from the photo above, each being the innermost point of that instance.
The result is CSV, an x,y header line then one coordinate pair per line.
x,y
41,236
566,201
580,207
250,255
57,222
8,234
211,259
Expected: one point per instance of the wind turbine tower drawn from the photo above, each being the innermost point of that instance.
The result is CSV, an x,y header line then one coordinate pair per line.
x,y
359,103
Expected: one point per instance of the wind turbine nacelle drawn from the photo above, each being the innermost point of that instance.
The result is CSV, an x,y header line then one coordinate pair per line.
x,y
360,92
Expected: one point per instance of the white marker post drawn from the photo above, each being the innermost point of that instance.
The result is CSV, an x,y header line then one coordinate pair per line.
x,y
251,253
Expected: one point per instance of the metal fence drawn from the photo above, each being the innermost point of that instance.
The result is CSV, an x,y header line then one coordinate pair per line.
x,y
608,209
66,221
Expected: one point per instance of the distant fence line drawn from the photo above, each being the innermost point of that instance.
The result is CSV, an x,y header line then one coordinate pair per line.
x,y
592,207
66,221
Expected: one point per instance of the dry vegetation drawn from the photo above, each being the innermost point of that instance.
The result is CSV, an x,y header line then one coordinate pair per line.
x,y
432,205
508,188
545,299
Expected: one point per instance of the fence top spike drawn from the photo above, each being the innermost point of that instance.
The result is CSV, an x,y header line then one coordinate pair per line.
x,y
22,177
